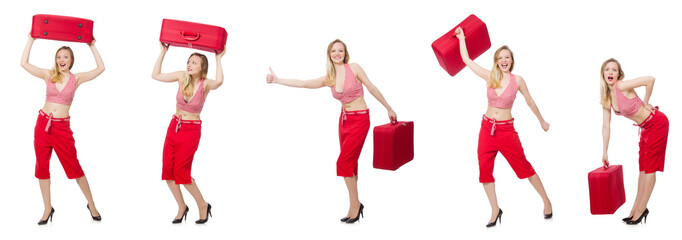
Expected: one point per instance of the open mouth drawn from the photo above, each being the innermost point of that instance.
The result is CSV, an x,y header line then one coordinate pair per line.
x,y
504,65
610,78
62,65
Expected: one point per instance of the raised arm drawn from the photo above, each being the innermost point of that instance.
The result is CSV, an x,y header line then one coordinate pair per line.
x,y
647,81
480,71
30,68
606,134
313,83
373,90
164,77
529,100
219,77
92,74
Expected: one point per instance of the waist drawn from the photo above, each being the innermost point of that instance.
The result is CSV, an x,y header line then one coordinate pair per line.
x,y
649,119
50,116
180,119
185,115
497,122
499,114
355,112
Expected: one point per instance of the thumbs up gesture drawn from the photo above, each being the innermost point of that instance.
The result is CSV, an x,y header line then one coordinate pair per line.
x,y
271,78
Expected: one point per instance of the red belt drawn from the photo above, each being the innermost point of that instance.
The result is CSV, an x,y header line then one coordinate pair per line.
x,y
343,119
180,122
495,123
50,119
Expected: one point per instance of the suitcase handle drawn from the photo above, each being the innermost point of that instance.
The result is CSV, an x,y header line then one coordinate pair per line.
x,y
394,120
453,32
190,36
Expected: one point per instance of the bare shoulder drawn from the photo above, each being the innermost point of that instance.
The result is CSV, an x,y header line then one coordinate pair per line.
x,y
355,67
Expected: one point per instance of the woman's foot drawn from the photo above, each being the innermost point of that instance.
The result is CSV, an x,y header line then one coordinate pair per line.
x,y
181,211
548,211
203,211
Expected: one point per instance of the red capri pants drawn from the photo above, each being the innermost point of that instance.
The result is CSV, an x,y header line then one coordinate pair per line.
x,y
55,133
182,141
653,140
353,128
500,136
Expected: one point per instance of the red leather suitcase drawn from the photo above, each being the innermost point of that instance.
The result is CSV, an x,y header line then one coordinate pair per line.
x,y
607,192
62,28
393,145
193,35
447,46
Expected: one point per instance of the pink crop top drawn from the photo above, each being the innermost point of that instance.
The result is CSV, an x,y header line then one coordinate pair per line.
x,y
506,99
628,106
64,97
352,89
195,104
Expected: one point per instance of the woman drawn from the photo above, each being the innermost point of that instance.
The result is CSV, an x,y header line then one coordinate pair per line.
x,y
184,131
53,129
497,128
345,82
621,96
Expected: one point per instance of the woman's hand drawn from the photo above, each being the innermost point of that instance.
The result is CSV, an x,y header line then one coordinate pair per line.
x,y
459,33
93,42
164,48
545,126
605,160
271,78
392,116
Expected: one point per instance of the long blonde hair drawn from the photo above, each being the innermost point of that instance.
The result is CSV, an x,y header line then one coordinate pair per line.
x,y
496,74
605,91
55,75
331,70
188,83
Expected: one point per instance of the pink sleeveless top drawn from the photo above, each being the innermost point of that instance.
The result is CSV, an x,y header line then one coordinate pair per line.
x,y
352,89
506,99
195,104
628,106
64,97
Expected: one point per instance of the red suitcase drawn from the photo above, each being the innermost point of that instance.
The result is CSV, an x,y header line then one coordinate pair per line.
x,y
607,192
393,145
62,28
193,35
447,46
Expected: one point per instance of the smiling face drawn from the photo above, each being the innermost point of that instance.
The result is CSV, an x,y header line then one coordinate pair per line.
x,y
505,60
64,59
338,53
194,65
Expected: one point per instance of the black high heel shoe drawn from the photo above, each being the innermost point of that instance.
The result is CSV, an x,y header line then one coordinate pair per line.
x,y
344,219
644,214
43,222
98,218
499,217
208,213
627,219
357,218
549,216
184,215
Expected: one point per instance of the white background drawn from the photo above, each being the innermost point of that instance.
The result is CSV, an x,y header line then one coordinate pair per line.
x,y
267,156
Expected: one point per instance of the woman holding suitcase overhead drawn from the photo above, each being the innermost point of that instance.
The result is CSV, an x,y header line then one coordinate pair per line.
x,y
184,131
620,95
497,128
53,129
345,82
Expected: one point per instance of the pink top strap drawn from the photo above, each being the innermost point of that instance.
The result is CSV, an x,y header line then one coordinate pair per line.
x,y
628,106
195,104
352,88
64,97
506,99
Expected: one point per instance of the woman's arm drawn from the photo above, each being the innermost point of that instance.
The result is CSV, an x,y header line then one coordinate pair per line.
x,y
30,68
92,74
313,83
606,133
219,77
373,90
164,77
529,100
480,71
647,81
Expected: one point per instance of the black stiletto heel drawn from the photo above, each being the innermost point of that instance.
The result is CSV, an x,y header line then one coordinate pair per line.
x,y
43,222
357,218
208,213
499,217
98,218
184,215
644,215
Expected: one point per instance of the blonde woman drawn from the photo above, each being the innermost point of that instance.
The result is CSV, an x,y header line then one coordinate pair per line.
x,y
184,131
620,95
53,128
497,128
345,82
